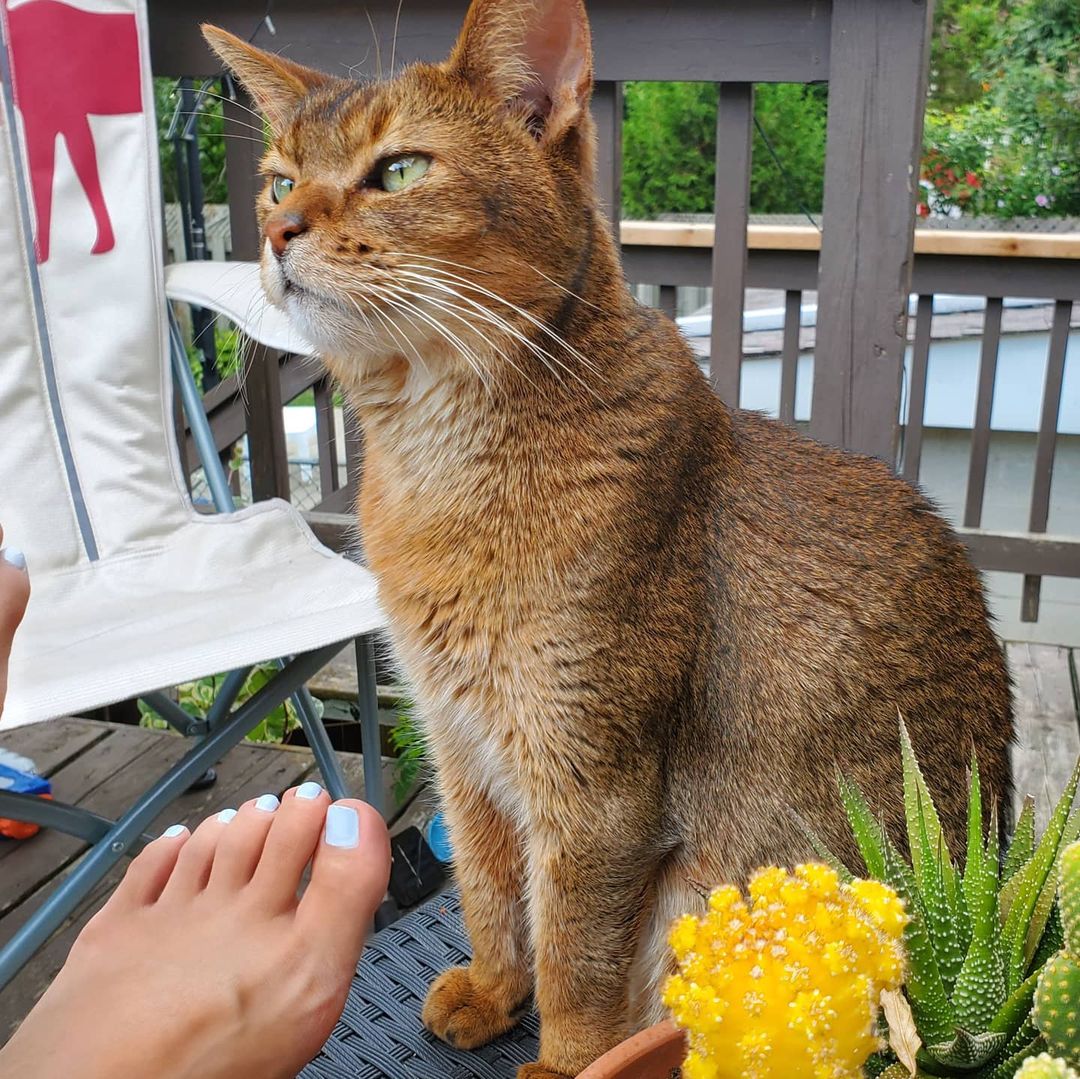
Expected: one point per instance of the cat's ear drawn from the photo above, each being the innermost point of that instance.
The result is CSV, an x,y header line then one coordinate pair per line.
x,y
276,85
533,54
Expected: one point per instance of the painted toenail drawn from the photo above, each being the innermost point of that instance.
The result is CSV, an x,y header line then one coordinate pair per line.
x,y
308,791
14,557
267,802
173,831
342,826
226,815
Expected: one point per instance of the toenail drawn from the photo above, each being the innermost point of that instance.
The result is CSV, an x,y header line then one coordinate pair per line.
x,y
267,802
342,826
308,791
226,815
173,831
14,557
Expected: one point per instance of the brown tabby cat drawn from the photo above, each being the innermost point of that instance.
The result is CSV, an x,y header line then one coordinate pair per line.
x,y
643,627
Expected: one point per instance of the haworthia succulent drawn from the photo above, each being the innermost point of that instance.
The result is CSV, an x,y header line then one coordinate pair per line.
x,y
1022,846
1029,882
867,831
934,1014
968,1051
1069,901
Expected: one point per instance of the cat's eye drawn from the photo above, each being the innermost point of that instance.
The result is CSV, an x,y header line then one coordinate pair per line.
x,y
397,172
280,187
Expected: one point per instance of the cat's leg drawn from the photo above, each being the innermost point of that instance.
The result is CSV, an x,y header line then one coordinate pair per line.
x,y
591,898
468,1006
80,144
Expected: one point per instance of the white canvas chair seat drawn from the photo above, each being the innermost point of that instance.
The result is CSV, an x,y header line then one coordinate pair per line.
x,y
216,594
133,590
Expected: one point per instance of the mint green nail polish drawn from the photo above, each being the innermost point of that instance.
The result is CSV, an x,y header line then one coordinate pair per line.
x,y
173,831
226,815
267,802
309,791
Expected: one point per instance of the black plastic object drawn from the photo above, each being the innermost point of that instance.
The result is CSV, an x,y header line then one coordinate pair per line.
x,y
379,1035
415,872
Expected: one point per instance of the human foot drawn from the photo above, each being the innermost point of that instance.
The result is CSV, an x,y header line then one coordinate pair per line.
x,y
204,964
14,594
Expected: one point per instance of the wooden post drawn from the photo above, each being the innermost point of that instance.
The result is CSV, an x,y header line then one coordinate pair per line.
x,y
877,89
734,118
607,110
266,426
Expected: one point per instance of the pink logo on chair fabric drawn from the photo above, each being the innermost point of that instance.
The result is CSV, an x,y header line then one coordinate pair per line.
x,y
68,64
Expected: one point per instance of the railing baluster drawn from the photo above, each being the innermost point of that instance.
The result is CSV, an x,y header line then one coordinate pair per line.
x,y
980,433
326,436
789,356
607,109
920,356
1045,447
668,298
266,426
734,118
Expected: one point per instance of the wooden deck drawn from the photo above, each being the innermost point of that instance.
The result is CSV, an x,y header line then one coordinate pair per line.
x,y
102,767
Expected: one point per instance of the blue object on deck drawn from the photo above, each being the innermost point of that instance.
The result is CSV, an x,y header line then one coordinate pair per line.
x,y
438,838
19,782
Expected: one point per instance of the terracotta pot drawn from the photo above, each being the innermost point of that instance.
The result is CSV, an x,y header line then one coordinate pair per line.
x,y
653,1054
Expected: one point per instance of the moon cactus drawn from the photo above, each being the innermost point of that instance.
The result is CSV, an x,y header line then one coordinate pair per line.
x,y
788,983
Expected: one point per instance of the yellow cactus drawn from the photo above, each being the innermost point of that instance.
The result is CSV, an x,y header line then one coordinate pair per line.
x,y
789,982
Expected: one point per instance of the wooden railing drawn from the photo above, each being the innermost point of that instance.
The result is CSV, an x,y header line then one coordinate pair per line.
x,y
873,55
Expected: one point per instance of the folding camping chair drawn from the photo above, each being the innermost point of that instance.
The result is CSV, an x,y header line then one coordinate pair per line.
x,y
133,590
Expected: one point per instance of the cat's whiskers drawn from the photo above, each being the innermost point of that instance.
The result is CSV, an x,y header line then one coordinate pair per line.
x,y
456,312
224,97
393,44
538,323
394,298
227,120
492,319
548,358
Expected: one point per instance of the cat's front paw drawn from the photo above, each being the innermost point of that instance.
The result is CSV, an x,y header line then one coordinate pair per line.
x,y
464,1015
538,1071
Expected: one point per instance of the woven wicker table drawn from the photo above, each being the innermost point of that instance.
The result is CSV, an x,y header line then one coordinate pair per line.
x,y
379,1033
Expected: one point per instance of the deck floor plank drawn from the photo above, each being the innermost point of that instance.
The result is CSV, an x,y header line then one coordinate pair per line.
x,y
1047,727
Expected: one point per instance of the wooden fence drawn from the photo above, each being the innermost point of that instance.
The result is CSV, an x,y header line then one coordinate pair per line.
x,y
873,55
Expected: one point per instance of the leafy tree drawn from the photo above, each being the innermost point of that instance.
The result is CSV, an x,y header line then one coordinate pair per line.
x,y
669,148
1015,149
210,127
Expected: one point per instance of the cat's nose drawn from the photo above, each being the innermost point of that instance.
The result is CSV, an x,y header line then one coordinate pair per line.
x,y
282,227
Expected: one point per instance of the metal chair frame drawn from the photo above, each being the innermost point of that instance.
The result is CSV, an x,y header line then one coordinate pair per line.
x,y
212,737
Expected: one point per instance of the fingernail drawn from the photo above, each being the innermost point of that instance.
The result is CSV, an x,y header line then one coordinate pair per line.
x,y
226,815
308,790
342,826
267,802
14,557
173,831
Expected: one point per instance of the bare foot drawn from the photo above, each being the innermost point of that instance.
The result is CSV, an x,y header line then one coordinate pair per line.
x,y
204,964
14,594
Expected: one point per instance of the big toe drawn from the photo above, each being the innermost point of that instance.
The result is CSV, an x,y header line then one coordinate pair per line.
x,y
349,875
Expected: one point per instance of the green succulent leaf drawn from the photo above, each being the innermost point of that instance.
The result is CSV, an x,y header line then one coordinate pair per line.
x,y
868,833
1022,846
1032,879
967,1051
1016,1011
821,849
930,1004
1007,1068
936,877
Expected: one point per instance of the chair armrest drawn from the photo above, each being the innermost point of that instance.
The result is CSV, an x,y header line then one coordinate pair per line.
x,y
232,289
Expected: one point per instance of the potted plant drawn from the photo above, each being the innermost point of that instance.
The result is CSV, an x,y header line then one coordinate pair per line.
x,y
987,979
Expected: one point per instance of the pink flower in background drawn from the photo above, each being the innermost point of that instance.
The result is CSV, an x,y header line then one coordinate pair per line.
x,y
1042,200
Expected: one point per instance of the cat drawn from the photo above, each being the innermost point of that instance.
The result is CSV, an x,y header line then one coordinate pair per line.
x,y
93,71
643,628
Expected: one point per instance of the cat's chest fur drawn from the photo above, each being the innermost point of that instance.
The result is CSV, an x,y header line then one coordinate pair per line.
x,y
467,559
